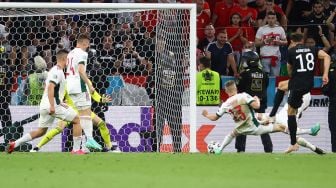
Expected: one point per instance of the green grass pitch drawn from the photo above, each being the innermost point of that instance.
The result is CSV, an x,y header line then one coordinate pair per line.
x,y
146,170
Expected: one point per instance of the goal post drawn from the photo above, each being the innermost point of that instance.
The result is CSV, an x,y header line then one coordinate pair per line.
x,y
174,39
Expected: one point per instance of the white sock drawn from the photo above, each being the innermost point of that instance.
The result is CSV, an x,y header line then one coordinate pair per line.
x,y
83,143
76,143
23,139
303,131
299,131
227,140
86,124
303,142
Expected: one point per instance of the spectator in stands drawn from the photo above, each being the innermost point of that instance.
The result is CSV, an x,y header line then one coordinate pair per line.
x,y
106,55
130,60
269,6
331,24
269,37
315,20
209,37
221,54
221,15
236,35
297,12
203,19
328,8
249,15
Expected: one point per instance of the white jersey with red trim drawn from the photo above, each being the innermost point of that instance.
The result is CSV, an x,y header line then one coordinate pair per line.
x,y
238,106
75,84
55,76
282,116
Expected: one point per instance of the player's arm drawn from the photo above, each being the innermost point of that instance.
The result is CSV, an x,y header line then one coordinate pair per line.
x,y
255,104
289,69
84,77
326,63
51,96
100,99
212,117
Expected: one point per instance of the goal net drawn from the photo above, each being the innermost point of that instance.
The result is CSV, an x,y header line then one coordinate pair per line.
x,y
142,55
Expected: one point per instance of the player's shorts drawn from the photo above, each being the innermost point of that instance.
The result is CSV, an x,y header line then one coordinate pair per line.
x,y
65,114
254,130
295,97
81,101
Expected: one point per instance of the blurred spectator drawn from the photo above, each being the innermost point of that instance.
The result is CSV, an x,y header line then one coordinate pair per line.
x,y
106,55
269,6
209,32
249,15
221,15
297,12
236,35
315,20
221,54
130,60
269,37
203,19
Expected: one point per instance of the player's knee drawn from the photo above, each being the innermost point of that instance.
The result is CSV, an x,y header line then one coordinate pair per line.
x,y
39,132
291,111
76,120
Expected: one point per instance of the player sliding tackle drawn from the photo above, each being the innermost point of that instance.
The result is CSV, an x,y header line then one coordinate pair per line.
x,y
97,121
51,105
241,106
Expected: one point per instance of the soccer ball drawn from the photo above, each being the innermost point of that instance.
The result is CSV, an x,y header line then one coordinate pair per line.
x,y
212,146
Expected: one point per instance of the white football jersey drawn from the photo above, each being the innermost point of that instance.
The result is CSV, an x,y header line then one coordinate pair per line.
x,y
238,106
56,76
282,116
75,84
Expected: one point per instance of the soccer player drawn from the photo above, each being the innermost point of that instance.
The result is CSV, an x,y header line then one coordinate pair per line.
x,y
301,63
241,107
97,121
281,119
80,90
51,105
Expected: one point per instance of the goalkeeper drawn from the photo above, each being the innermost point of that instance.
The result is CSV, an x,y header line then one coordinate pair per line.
x,y
97,121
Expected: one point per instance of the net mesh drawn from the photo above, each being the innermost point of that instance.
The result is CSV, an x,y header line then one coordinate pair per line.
x,y
138,57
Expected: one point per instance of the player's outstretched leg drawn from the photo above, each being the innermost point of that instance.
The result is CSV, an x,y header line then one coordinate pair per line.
x,y
104,132
312,131
26,138
303,142
227,140
47,137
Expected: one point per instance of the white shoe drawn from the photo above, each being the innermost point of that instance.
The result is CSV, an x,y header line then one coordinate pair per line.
x,y
34,150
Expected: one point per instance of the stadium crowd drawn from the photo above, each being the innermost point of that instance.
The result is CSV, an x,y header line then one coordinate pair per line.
x,y
124,44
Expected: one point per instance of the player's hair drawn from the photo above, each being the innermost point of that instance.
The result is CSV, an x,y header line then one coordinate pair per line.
x,y
297,37
61,53
205,61
82,37
229,84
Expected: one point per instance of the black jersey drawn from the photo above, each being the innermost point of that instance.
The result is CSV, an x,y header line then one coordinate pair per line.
x,y
302,59
254,82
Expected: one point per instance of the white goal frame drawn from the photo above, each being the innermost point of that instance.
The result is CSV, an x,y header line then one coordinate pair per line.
x,y
140,6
